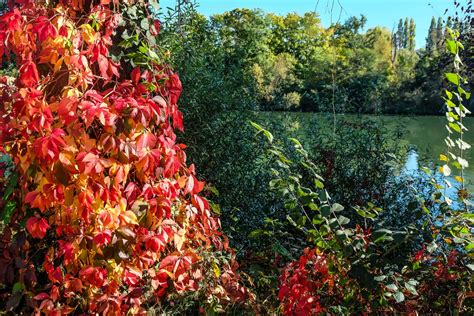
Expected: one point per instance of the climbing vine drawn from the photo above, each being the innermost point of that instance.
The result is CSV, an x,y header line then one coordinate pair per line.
x,y
455,113
105,215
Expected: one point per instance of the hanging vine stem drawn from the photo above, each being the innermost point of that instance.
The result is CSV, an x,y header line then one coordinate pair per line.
x,y
455,112
330,8
333,73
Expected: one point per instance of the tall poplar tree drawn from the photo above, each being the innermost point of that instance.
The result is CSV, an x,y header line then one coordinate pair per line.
x,y
431,40
399,34
440,34
412,34
406,35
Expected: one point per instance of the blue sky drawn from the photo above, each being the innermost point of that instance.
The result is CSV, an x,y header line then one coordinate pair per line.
x,y
379,12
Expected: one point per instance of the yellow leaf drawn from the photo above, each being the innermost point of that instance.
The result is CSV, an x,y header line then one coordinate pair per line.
x,y
70,92
69,196
58,65
128,218
448,241
216,269
443,158
88,33
458,179
182,181
179,238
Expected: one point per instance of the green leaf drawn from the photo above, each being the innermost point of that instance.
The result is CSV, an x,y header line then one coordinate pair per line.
x,y
343,220
17,287
380,278
451,46
153,55
296,142
7,212
216,208
280,249
449,94
256,233
411,288
12,184
450,104
260,129
399,297
325,211
214,190
337,208
455,127
382,235
313,206
453,78
461,92
365,214
268,135
143,49
392,287
317,221
144,24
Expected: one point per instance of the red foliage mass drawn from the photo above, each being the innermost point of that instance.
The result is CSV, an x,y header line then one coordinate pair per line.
x,y
114,220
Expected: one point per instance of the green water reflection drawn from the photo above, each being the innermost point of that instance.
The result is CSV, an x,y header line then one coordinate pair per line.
x,y
424,134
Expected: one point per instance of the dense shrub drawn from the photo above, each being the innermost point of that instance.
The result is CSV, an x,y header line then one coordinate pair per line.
x,y
365,267
217,106
354,159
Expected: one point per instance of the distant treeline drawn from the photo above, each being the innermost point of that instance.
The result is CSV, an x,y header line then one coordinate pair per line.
x,y
294,63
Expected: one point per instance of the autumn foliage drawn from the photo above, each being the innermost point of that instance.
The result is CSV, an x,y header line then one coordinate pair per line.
x,y
110,219
308,287
319,283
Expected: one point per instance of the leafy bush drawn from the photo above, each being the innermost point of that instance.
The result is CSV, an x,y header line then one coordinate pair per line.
x,y
369,268
366,268
354,159
216,107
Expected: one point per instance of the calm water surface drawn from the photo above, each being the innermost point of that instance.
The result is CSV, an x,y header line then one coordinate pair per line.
x,y
424,134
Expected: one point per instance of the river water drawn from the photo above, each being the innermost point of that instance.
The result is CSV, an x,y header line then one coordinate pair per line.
x,y
424,135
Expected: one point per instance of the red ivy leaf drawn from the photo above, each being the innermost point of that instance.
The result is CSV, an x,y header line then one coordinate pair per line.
x,y
178,120
175,87
37,227
155,29
48,147
103,238
90,162
200,203
41,296
135,75
43,27
107,68
67,110
93,275
29,76
103,66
